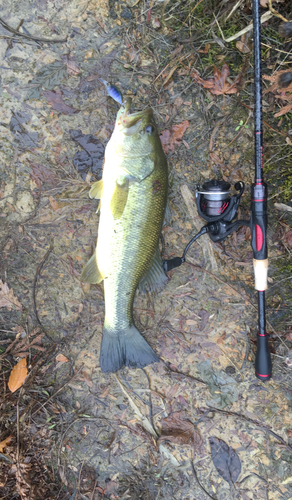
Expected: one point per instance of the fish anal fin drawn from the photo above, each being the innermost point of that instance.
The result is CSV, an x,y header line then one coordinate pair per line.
x,y
155,279
98,207
119,198
96,190
91,273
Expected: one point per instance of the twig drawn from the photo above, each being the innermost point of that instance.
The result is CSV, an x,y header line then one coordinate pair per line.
x,y
277,50
184,22
4,355
265,17
18,432
41,265
79,477
145,422
276,13
94,487
150,399
29,37
183,374
233,9
197,479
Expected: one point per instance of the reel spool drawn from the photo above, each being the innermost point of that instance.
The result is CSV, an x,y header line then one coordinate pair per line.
x,y
214,201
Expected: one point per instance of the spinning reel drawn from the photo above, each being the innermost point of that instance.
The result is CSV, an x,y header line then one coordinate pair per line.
x,y
216,205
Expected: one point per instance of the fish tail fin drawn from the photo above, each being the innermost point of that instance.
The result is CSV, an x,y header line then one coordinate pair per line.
x,y
125,348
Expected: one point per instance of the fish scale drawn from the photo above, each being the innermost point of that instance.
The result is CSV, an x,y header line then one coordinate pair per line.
x,y
127,247
133,194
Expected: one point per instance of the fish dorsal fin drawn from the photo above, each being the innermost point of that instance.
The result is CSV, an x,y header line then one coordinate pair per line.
x,y
91,273
96,190
119,198
155,279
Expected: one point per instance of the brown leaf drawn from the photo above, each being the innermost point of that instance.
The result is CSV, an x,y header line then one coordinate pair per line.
x,y
177,429
171,139
61,357
208,84
242,47
55,100
165,138
215,158
7,297
41,174
168,77
206,49
72,68
221,86
5,442
283,111
17,375
288,238
278,78
218,84
54,204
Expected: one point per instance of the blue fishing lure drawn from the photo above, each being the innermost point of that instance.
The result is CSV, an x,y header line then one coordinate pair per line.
x,y
112,91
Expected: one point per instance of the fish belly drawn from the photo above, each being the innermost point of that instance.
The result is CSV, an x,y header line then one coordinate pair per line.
x,y
124,251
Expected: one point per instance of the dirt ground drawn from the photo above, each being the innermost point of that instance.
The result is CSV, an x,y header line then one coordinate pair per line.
x,y
198,424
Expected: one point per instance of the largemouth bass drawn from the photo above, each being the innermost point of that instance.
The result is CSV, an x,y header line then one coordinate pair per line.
x,y
133,194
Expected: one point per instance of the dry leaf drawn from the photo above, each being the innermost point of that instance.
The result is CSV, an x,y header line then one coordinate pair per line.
x,y
5,442
7,297
171,139
72,68
40,174
61,357
265,3
55,100
288,238
218,84
242,47
168,77
206,49
177,429
282,206
283,111
17,375
54,204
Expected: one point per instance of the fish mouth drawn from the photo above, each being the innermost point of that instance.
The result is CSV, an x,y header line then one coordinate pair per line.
x,y
128,119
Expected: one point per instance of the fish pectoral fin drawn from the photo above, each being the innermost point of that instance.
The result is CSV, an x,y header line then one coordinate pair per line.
x,y
141,168
96,190
119,198
155,279
91,273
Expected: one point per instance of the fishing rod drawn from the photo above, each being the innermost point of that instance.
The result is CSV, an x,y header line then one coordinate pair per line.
x,y
219,209
259,216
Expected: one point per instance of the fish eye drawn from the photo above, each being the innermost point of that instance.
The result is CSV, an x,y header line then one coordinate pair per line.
x,y
149,129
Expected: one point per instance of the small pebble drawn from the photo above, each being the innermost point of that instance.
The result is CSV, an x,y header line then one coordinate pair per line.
x,y
285,29
285,79
230,370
